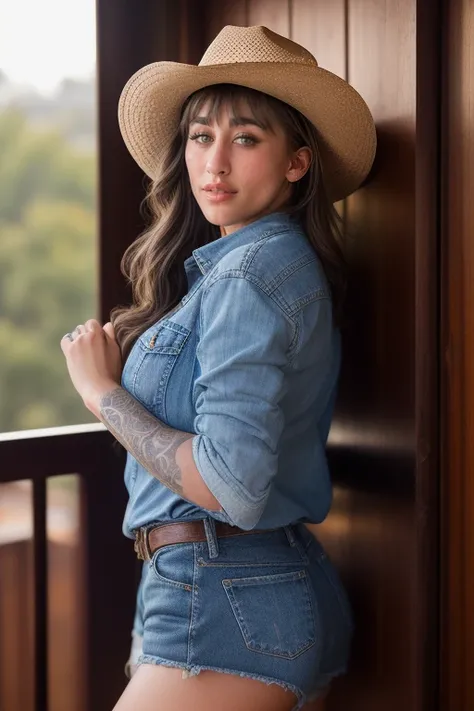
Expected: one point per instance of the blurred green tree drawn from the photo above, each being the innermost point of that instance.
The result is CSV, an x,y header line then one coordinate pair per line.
x,y
48,257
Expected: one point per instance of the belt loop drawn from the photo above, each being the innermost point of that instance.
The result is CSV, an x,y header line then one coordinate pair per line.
x,y
290,535
211,536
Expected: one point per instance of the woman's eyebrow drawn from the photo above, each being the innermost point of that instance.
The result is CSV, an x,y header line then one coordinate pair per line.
x,y
234,121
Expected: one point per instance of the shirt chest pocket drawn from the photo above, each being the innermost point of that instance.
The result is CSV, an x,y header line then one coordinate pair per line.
x,y
159,348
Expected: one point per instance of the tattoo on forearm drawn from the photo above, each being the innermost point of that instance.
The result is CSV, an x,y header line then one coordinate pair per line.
x,y
149,440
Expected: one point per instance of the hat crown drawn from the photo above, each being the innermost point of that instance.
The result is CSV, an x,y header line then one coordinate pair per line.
x,y
234,45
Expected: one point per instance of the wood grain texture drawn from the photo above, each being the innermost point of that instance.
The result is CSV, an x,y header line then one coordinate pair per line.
x,y
373,434
457,643
17,655
383,447
427,353
219,14
320,27
274,14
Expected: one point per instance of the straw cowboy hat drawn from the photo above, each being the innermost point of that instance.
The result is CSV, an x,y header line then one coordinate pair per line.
x,y
151,101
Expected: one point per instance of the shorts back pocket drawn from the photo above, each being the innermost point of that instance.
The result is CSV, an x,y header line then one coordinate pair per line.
x,y
274,612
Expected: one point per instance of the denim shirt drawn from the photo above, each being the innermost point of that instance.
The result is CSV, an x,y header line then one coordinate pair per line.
x,y
248,362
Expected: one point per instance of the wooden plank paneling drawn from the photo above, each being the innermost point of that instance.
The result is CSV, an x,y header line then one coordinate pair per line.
x,y
457,644
219,14
126,41
320,27
427,354
383,444
274,14
373,434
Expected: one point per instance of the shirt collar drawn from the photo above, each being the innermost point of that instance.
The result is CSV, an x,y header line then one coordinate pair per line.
x,y
207,256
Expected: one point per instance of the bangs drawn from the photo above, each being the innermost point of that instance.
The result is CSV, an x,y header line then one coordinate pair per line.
x,y
239,100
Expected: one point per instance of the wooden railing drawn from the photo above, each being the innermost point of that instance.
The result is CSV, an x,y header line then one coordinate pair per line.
x,y
107,560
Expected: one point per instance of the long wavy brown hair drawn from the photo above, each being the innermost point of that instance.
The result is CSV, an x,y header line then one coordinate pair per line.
x,y
154,263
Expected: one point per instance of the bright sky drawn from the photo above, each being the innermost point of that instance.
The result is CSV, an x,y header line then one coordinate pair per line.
x,y
42,41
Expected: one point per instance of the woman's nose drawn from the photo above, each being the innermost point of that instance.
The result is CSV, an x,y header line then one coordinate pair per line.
x,y
217,159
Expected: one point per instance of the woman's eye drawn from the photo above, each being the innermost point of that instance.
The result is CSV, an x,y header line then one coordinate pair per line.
x,y
248,140
251,139
195,136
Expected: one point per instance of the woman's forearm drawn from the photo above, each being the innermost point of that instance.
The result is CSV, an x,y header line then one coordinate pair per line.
x,y
164,452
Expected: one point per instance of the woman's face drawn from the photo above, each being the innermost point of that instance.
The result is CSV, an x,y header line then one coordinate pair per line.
x,y
253,166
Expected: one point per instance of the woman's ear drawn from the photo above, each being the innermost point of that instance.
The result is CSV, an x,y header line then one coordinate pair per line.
x,y
299,164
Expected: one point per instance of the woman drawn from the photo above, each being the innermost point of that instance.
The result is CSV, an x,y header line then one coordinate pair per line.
x,y
231,357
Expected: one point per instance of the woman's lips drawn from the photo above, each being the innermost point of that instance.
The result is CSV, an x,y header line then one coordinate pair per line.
x,y
218,195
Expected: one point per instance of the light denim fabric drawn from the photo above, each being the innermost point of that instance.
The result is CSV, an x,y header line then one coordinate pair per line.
x,y
248,362
267,606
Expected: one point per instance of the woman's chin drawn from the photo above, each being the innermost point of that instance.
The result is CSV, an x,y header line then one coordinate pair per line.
x,y
215,214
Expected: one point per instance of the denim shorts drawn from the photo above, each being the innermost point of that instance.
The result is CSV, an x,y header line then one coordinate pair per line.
x,y
267,606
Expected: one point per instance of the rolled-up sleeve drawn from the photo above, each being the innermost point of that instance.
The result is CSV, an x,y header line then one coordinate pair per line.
x,y
243,349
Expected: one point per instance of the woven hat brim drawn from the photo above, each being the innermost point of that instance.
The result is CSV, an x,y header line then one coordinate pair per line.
x,y
150,104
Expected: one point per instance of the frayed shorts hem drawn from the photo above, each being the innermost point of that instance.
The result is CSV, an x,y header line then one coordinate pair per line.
x,y
194,669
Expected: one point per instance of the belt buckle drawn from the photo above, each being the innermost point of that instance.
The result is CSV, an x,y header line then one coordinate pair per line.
x,y
141,544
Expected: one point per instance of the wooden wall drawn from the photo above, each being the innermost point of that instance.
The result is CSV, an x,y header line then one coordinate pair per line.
x,y
383,447
457,348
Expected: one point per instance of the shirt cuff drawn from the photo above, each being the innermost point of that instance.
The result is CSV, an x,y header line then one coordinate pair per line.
x,y
239,508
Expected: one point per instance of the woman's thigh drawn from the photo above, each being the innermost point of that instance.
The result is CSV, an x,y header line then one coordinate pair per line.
x,y
159,688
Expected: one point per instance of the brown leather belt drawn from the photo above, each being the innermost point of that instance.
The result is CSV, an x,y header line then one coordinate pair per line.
x,y
147,541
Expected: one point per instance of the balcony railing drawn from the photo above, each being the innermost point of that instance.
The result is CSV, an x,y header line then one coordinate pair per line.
x,y
107,565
